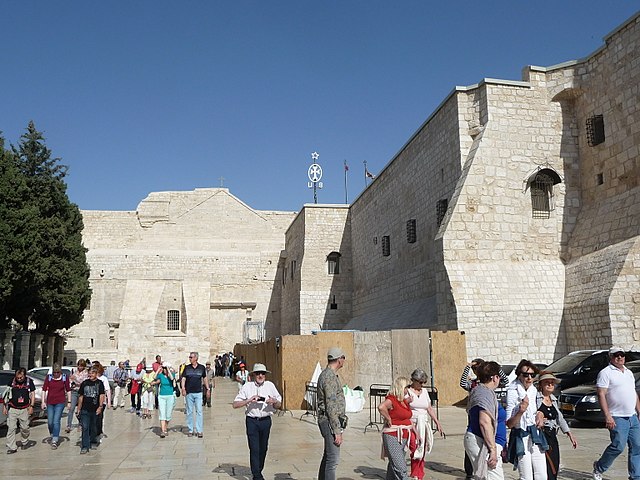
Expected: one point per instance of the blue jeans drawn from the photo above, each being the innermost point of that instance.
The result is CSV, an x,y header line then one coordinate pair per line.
x,y
194,402
72,408
89,421
331,455
626,431
54,415
258,430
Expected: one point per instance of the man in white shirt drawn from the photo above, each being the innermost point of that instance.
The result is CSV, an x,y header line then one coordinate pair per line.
x,y
260,399
620,406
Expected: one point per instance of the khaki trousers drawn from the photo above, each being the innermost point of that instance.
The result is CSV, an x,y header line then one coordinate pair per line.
x,y
18,417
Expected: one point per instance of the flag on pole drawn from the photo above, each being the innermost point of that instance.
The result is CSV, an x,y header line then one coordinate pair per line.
x,y
346,167
368,173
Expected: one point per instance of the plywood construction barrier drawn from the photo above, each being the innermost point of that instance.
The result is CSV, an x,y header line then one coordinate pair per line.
x,y
371,358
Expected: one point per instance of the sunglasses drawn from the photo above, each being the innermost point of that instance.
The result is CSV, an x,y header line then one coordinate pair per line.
x,y
259,373
618,355
528,374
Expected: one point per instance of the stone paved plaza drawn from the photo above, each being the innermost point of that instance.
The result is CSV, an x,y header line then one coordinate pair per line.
x,y
134,449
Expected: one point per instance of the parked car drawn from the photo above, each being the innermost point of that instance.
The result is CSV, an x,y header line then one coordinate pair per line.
x,y
6,377
5,380
38,375
582,366
581,403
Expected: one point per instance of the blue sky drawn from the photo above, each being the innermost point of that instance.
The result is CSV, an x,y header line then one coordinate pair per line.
x,y
146,96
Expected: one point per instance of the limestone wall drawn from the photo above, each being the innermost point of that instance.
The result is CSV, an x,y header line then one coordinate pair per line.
x,y
291,259
325,299
503,265
312,298
399,290
602,273
203,253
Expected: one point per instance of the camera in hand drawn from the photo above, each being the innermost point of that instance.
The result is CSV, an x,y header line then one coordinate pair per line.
x,y
261,399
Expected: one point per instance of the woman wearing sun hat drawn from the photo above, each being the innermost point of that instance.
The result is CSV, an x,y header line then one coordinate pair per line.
x,y
261,400
549,418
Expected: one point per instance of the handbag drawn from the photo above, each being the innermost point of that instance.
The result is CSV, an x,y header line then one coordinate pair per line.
x,y
176,389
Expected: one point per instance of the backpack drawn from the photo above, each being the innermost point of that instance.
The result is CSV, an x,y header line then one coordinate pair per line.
x,y
64,377
10,394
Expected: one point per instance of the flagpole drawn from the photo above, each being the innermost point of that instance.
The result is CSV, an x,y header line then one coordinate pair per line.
x,y
365,173
346,195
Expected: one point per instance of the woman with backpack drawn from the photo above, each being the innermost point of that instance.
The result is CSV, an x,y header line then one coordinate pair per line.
x,y
56,393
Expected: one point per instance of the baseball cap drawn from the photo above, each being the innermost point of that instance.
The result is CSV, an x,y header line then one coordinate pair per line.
x,y
335,353
614,350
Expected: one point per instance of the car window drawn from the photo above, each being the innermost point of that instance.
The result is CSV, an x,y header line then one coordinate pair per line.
x,y
594,363
39,374
568,362
6,378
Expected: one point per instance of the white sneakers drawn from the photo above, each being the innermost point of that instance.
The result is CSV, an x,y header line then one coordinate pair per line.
x,y
596,473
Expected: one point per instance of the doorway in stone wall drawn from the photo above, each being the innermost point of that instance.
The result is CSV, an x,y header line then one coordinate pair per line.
x,y
227,325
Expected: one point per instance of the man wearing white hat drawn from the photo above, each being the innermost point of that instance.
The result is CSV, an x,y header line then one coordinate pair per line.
x,y
620,406
331,417
260,399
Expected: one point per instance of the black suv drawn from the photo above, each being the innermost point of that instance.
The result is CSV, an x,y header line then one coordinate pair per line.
x,y
583,366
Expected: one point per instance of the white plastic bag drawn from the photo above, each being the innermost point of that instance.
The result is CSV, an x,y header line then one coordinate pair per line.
x,y
354,399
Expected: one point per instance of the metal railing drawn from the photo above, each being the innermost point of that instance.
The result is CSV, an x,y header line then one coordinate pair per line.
x,y
311,399
377,393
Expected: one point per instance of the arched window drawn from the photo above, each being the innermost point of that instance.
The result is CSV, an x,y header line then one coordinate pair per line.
x,y
333,262
541,184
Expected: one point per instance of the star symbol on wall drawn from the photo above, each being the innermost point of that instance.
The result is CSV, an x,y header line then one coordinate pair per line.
x,y
315,156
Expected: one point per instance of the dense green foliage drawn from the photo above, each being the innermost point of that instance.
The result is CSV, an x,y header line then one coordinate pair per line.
x,y
43,267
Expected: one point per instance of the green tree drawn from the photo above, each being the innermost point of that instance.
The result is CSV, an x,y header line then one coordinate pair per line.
x,y
47,273
12,187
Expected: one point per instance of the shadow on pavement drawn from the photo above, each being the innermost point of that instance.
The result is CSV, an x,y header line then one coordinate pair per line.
x,y
241,472
370,472
446,469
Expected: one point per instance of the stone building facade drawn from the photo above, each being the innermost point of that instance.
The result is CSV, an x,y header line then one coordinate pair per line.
x,y
512,214
186,271
315,271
